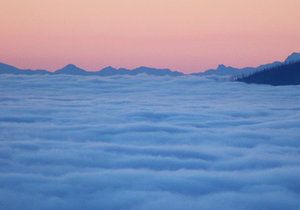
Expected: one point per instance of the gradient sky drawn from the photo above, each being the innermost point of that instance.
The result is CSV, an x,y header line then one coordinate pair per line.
x,y
186,35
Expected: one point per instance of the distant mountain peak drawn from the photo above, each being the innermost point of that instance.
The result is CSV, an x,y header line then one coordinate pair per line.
x,y
294,57
6,65
145,68
71,69
108,68
295,54
5,68
221,66
70,66
156,71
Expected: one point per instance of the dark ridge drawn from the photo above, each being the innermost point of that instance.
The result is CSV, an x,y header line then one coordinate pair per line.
x,y
285,74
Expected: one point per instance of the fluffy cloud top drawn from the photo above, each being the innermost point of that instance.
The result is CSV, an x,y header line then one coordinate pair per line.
x,y
145,143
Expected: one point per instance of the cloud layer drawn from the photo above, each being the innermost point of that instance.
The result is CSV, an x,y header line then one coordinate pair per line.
x,y
69,142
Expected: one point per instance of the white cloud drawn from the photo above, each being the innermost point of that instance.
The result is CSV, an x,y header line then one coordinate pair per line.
x,y
71,142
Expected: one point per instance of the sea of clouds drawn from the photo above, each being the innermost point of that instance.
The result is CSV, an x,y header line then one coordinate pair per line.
x,y
147,143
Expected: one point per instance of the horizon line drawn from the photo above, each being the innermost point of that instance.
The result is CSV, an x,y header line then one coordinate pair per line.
x,y
141,66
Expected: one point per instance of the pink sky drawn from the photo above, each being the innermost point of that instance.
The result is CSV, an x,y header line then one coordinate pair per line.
x,y
186,35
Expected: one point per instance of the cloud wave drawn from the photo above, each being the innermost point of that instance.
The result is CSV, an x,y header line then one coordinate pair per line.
x,y
71,142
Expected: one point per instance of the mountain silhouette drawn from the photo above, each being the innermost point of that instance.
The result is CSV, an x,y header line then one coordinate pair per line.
x,y
223,70
110,71
8,69
154,71
294,57
285,74
71,69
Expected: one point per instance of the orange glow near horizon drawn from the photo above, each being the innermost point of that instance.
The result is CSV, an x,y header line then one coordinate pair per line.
x,y
185,35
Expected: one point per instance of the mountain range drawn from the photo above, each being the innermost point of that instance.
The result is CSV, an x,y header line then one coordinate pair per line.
x,y
221,70
71,69
285,74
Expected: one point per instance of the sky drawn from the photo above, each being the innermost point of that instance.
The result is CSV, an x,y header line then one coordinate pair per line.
x,y
185,35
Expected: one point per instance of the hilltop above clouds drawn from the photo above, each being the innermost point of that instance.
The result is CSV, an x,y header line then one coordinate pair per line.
x,y
221,70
